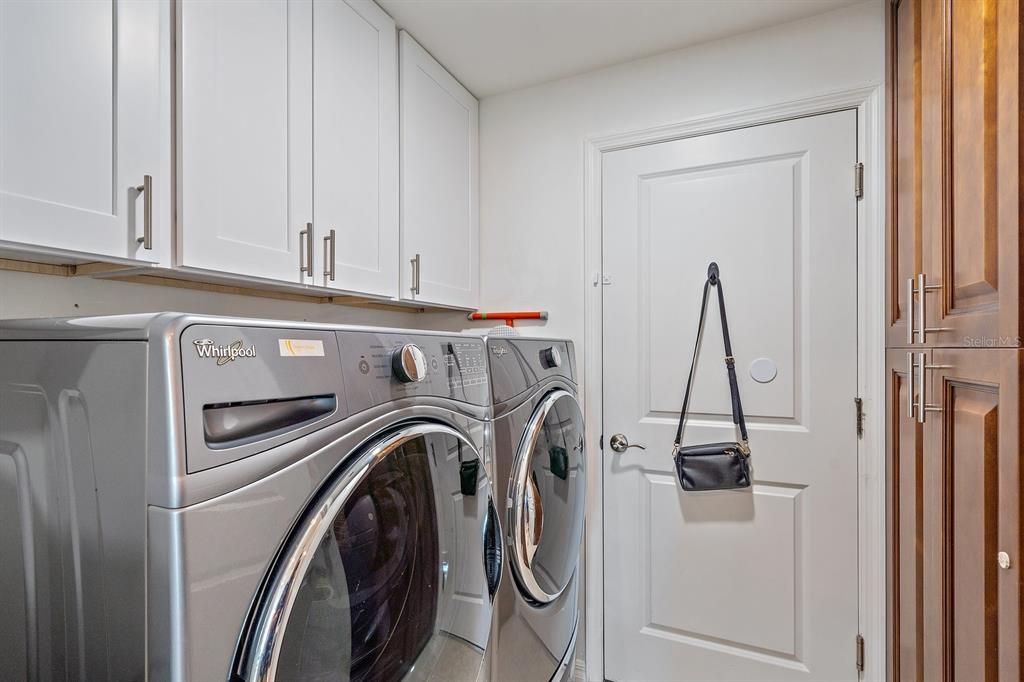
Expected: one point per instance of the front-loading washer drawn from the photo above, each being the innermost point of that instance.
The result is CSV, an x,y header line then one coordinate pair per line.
x,y
196,498
540,481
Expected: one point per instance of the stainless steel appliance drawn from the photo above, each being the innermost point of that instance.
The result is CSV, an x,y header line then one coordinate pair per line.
x,y
194,498
540,470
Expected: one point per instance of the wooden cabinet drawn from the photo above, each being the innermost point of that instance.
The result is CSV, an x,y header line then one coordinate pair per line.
x,y
973,495
955,603
439,214
955,590
956,175
288,130
82,86
906,515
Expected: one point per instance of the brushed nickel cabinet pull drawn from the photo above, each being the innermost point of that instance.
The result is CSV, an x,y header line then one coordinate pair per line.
x,y
415,261
911,333
923,406
146,188
306,254
329,257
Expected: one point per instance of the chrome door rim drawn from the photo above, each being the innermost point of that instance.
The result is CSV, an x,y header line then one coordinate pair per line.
x,y
521,556
266,635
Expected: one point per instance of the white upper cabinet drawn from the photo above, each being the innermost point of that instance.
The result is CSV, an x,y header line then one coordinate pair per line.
x,y
245,191
355,152
82,83
439,216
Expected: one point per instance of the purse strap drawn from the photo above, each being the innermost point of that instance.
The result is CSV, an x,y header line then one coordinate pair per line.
x,y
714,280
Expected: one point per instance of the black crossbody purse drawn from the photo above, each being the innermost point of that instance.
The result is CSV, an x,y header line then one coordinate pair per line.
x,y
714,466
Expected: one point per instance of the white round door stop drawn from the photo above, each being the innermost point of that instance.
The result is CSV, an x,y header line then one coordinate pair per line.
x,y
763,370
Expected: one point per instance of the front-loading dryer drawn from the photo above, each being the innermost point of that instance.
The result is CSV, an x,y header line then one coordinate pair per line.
x,y
540,480
193,498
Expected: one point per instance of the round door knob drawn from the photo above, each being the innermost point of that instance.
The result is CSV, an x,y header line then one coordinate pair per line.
x,y
620,443
550,358
1003,559
409,364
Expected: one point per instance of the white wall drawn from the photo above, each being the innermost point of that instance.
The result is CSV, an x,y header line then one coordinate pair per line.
x,y
532,141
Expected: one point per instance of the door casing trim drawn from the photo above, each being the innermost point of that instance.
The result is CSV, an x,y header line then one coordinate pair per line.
x,y
869,103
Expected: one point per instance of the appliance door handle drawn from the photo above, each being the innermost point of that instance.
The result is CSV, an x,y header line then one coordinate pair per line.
x,y
232,425
492,546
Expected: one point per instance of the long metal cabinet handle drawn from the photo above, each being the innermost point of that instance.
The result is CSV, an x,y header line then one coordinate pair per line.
x,y
329,257
415,261
146,188
306,254
923,406
924,288
910,384
910,312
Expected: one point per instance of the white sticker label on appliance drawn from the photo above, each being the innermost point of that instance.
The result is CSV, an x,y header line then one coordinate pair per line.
x,y
299,348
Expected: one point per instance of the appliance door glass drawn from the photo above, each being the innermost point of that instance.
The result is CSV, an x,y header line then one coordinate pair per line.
x,y
548,488
393,568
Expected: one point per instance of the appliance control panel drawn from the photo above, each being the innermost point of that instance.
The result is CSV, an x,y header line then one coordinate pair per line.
x,y
378,367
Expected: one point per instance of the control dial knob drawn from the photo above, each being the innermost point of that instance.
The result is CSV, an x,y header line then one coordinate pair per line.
x,y
550,358
409,364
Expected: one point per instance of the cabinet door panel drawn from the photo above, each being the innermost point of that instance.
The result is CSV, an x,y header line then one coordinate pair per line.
x,y
974,609
906,467
974,253
80,97
355,119
439,122
245,136
905,226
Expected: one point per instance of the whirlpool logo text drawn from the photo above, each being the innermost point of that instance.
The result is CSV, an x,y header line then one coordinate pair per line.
x,y
207,348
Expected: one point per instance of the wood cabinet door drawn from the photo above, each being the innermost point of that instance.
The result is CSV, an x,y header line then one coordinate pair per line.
x,y
245,137
906,521
972,609
955,220
439,216
975,255
355,150
81,91
908,63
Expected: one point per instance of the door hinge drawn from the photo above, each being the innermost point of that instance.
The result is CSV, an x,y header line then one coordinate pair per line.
x,y
601,279
860,653
859,403
858,180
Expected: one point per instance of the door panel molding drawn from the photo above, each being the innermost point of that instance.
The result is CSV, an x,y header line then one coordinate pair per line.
x,y
868,102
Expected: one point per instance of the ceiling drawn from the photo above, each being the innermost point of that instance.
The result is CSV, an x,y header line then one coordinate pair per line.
x,y
493,46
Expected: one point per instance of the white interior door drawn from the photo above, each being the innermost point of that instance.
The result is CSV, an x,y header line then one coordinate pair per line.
x,y
355,154
80,97
245,136
758,584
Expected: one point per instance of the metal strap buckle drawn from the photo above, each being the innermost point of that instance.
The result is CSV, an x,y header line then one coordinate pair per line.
x,y
730,360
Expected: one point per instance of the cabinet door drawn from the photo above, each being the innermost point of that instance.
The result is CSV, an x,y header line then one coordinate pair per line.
x,y
907,60
80,97
906,515
975,253
440,228
972,450
355,153
245,137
